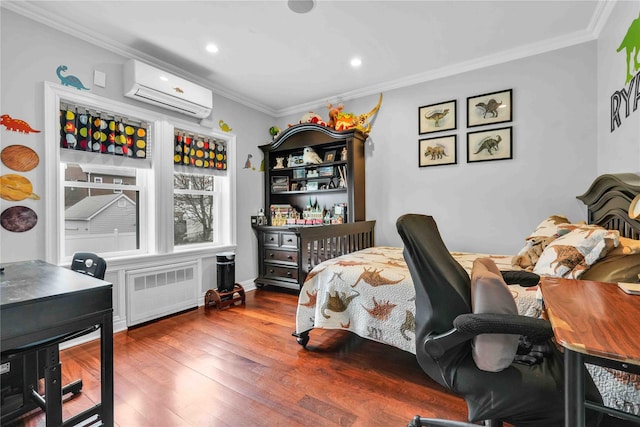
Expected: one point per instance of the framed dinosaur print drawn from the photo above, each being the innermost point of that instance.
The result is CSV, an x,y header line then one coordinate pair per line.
x,y
489,108
437,151
493,144
437,117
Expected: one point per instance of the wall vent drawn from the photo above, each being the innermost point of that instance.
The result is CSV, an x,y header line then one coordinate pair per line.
x,y
160,291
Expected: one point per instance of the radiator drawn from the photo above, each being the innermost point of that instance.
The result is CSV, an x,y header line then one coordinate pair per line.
x,y
159,291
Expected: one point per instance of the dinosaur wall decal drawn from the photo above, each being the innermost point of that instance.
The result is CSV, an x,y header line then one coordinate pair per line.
x,y
16,125
69,80
631,44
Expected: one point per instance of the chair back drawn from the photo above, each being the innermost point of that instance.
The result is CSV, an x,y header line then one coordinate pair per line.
x,y
443,290
90,264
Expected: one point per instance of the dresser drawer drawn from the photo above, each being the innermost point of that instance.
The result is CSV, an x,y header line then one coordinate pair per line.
x,y
289,240
280,273
283,256
272,239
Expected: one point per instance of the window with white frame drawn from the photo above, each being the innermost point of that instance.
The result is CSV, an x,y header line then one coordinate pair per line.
x,y
108,189
194,208
199,179
100,217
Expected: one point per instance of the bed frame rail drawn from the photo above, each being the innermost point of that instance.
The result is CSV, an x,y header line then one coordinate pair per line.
x,y
319,244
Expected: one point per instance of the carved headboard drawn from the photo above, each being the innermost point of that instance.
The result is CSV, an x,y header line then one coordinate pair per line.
x,y
608,201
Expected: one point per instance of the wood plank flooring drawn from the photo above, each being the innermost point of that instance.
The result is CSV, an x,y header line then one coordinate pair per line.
x,y
241,366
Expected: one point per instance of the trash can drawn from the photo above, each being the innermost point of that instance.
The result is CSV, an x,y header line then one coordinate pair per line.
x,y
226,271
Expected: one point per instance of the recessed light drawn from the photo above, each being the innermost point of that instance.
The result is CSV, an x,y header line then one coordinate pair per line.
x,y
164,79
212,48
301,6
356,62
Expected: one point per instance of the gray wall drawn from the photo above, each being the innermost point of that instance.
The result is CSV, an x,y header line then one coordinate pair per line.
x,y
31,52
618,151
560,132
487,206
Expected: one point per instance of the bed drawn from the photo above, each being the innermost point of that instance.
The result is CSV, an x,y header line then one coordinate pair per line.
x,y
370,293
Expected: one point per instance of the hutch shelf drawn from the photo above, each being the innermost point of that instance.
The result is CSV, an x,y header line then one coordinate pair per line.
x,y
328,197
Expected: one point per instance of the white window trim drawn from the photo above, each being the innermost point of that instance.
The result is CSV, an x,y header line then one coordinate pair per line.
x,y
159,243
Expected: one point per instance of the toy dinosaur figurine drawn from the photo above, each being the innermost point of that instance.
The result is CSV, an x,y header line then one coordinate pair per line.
x,y
333,114
346,121
69,80
631,43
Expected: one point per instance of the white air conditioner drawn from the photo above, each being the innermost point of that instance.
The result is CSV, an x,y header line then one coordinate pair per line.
x,y
154,86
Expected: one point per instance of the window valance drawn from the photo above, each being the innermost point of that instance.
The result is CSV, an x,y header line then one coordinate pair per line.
x,y
86,129
199,151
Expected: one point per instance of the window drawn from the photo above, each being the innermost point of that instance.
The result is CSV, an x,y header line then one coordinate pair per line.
x,y
117,181
100,217
194,208
108,194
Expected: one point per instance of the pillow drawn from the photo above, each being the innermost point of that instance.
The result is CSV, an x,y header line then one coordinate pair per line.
x,y
572,254
615,268
537,241
490,294
626,247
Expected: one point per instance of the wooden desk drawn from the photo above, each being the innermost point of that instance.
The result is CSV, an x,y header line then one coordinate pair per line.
x,y
596,323
40,301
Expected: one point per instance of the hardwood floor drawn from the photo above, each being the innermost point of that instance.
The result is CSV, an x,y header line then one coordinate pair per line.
x,y
241,366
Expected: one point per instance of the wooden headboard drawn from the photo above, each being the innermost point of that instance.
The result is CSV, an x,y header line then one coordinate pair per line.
x,y
608,201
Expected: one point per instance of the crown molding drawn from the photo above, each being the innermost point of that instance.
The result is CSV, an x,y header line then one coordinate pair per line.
x,y
601,16
30,11
598,20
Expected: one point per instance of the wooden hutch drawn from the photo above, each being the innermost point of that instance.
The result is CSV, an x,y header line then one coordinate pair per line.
x,y
288,250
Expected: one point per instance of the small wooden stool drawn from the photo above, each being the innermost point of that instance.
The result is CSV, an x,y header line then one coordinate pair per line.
x,y
224,299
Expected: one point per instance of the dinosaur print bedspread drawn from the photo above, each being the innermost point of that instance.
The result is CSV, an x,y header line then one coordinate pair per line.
x,y
370,293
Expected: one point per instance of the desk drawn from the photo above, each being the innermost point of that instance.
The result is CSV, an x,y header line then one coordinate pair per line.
x,y
40,301
596,323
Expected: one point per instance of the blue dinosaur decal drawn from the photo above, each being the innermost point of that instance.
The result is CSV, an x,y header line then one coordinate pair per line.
x,y
69,80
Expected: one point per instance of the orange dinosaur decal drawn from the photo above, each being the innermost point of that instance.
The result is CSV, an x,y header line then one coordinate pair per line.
x,y
16,125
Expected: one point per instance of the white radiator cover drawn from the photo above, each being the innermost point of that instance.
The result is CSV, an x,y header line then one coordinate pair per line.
x,y
159,291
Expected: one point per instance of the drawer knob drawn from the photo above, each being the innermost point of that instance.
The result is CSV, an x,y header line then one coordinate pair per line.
x,y
270,271
289,257
272,239
289,240
288,274
271,254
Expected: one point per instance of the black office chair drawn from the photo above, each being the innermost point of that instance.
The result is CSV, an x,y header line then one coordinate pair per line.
x,y
19,393
521,394
89,263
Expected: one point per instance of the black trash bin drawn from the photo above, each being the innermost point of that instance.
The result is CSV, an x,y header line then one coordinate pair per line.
x,y
226,271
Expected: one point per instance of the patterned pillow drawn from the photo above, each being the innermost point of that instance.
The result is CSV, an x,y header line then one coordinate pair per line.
x,y
572,254
545,233
490,294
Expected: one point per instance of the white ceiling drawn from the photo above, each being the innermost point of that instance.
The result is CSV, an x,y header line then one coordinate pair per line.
x,y
280,62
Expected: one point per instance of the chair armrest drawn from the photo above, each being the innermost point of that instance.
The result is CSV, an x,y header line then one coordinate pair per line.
x,y
518,277
489,323
468,326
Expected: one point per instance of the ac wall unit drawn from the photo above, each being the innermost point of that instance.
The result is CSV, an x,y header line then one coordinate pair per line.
x,y
154,86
